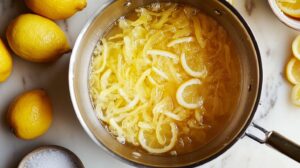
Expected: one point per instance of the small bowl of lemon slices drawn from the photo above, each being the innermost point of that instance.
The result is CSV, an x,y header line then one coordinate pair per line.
x,y
288,12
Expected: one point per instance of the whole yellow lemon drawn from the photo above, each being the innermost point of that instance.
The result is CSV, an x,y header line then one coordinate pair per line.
x,y
30,115
36,38
56,9
6,63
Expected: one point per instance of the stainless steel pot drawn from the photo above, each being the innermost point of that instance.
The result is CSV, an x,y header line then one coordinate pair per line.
x,y
251,82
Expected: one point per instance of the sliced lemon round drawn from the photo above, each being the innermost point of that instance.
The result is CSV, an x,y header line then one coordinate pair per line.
x,y
193,67
296,47
296,95
290,7
152,148
293,71
188,95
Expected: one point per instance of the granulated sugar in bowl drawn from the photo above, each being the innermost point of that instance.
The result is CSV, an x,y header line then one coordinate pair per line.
x,y
51,158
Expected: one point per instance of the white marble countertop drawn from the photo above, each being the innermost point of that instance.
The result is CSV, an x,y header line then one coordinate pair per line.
x,y
275,111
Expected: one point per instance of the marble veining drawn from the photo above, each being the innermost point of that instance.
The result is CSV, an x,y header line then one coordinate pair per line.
x,y
274,111
66,25
270,98
24,81
249,6
224,160
268,52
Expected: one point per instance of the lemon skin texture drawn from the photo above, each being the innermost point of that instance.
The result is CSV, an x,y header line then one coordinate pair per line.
x,y
56,9
6,63
30,114
36,39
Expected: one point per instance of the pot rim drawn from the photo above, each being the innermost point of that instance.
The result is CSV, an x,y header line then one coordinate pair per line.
x,y
130,162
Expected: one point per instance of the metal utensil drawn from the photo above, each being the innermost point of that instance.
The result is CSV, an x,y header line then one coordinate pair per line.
x,y
277,141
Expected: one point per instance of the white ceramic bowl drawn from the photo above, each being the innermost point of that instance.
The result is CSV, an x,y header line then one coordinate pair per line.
x,y
29,157
289,21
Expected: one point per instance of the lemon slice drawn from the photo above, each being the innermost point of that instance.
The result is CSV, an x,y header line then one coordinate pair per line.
x,y
296,95
293,71
146,145
188,96
197,70
290,7
296,47
163,53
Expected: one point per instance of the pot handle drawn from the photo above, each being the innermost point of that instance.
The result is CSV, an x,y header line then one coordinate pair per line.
x,y
276,141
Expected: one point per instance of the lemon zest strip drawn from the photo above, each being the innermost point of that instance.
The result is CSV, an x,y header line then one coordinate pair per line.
x,y
163,53
104,79
198,32
128,107
104,56
144,125
124,95
180,40
173,116
160,73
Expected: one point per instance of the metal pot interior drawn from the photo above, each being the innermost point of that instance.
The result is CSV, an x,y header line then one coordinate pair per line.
x,y
250,82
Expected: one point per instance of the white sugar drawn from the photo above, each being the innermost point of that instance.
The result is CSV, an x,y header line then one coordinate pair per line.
x,y
50,158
